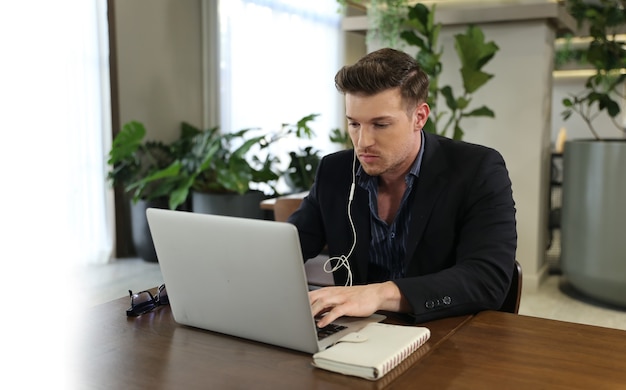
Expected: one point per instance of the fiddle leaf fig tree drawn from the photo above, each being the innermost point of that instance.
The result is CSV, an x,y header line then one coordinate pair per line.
x,y
395,23
473,52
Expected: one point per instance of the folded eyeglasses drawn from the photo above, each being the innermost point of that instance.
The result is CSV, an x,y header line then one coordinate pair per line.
x,y
143,301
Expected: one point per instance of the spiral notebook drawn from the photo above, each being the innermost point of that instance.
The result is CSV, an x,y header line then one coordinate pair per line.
x,y
373,351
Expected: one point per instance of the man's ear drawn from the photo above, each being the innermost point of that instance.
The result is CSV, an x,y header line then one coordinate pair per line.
x,y
421,115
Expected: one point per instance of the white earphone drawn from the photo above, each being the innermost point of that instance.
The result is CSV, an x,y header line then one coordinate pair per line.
x,y
342,261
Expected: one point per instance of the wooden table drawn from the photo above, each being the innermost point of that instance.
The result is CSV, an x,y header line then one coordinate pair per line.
x,y
152,351
506,351
489,350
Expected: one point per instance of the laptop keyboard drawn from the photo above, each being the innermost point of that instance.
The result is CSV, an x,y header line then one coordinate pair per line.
x,y
328,330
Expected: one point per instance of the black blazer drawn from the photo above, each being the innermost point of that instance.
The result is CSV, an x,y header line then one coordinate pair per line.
x,y
463,237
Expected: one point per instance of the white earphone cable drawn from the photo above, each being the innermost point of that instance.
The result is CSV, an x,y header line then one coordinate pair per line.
x,y
342,261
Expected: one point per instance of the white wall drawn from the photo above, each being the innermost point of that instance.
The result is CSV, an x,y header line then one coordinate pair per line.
x,y
520,95
159,64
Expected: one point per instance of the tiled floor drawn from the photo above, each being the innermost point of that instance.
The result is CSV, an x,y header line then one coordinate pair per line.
x,y
556,300
553,299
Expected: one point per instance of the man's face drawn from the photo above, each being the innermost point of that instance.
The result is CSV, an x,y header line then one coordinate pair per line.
x,y
386,138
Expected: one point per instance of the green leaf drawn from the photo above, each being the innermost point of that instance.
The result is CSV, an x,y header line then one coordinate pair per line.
x,y
472,50
187,130
208,156
179,195
566,114
419,18
462,103
482,111
430,62
473,80
450,100
431,18
236,178
127,141
412,39
302,126
171,171
458,133
474,53
340,137
241,151
610,105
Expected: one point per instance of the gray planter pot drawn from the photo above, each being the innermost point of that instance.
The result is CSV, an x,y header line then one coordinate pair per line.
x,y
593,242
232,205
142,239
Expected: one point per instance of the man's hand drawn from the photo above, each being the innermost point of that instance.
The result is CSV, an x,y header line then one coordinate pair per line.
x,y
356,301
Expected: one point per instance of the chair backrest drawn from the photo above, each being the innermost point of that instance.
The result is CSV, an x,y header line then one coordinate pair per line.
x,y
284,207
514,296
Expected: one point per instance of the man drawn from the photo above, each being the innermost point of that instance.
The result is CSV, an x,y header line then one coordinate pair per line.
x,y
415,223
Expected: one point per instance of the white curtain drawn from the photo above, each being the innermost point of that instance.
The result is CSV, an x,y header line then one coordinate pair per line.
x,y
55,120
278,59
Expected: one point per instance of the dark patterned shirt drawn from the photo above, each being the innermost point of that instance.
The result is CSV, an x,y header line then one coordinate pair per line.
x,y
388,245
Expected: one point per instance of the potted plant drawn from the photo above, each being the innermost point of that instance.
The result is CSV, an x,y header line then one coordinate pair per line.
x,y
224,172
223,185
594,185
132,159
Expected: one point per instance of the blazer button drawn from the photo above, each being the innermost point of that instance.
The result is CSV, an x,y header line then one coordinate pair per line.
x,y
447,300
430,304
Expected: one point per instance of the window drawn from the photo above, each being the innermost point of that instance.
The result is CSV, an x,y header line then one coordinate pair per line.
x,y
278,59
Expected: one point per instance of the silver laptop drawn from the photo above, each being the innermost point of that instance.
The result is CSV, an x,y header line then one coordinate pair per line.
x,y
241,277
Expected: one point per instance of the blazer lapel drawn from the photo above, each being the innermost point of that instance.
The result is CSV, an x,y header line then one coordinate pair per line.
x,y
430,183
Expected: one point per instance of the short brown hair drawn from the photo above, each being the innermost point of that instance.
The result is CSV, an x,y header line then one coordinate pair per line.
x,y
385,69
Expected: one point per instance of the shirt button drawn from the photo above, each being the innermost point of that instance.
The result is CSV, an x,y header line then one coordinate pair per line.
x,y
392,235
